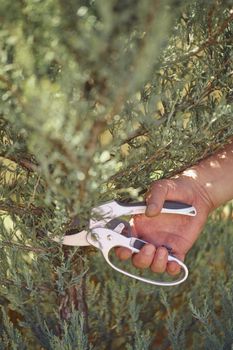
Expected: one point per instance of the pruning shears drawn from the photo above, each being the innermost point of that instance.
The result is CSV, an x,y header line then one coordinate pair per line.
x,y
106,232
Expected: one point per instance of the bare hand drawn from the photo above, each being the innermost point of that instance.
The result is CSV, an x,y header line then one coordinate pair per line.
x,y
178,232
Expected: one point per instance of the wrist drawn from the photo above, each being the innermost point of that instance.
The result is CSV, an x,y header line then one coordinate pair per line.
x,y
200,187
213,176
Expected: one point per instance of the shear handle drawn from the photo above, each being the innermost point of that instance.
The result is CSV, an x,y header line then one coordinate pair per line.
x,y
106,239
169,207
113,209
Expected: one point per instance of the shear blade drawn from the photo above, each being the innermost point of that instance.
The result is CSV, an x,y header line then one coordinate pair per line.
x,y
77,239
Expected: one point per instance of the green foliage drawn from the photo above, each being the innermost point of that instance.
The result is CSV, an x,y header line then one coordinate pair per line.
x,y
11,338
97,100
73,335
195,315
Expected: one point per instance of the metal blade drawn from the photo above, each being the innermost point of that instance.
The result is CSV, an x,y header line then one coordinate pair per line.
x,y
77,239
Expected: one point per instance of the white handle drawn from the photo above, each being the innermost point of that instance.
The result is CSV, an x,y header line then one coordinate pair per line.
x,y
106,239
169,207
142,279
114,209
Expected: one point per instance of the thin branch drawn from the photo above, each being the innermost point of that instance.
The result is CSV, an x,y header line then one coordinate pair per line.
x,y
34,192
223,26
19,209
25,163
75,295
8,282
210,19
142,131
209,42
160,155
14,90
136,168
137,133
21,246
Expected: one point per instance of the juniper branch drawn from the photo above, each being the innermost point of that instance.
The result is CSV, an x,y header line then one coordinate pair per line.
x,y
20,209
24,162
25,247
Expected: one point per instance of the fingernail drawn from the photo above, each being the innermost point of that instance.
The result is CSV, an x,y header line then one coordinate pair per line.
x,y
148,249
151,210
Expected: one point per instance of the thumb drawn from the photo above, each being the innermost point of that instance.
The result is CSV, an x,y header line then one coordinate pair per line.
x,y
156,197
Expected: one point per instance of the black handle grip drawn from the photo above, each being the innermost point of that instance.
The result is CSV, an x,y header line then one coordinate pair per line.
x,y
138,244
166,205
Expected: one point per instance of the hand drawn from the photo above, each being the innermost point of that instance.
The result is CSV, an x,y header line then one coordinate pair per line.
x,y
178,232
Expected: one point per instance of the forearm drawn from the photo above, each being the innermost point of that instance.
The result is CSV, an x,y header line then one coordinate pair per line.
x,y
215,175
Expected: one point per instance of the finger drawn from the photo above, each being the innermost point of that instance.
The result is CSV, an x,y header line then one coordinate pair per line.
x,y
144,258
156,197
123,253
173,268
159,263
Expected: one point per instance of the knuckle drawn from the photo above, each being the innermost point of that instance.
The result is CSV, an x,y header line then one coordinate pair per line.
x,y
140,262
159,184
160,261
158,268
